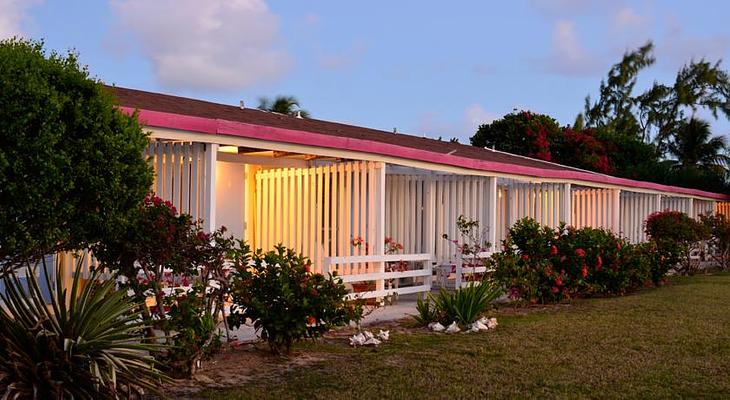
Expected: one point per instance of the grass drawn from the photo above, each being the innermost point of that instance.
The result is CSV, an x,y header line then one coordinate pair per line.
x,y
671,342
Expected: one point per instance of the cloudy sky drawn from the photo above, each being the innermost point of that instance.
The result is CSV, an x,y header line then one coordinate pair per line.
x,y
423,67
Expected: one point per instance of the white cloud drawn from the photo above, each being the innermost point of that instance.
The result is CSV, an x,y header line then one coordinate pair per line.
x,y
626,18
475,115
210,45
12,14
568,55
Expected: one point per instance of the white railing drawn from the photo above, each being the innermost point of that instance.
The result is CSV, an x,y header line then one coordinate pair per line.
x,y
459,270
330,266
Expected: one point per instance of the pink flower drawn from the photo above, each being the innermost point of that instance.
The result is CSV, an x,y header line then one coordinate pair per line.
x,y
584,272
599,263
555,290
580,252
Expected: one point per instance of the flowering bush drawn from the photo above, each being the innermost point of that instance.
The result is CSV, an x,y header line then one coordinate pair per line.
x,y
540,264
286,302
672,235
718,228
166,256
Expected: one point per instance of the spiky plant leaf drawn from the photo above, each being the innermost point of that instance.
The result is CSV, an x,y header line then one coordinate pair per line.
x,y
85,344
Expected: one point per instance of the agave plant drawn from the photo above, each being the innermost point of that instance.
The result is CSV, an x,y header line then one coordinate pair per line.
x,y
464,305
83,345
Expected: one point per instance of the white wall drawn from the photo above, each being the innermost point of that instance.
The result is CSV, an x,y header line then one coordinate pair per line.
x,y
230,186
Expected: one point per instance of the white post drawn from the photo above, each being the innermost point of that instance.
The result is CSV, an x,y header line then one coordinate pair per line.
x,y
657,202
616,210
430,217
380,220
566,204
691,208
211,156
491,211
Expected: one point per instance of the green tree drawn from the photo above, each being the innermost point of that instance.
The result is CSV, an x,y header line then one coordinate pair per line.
x,y
656,115
288,105
71,165
521,132
693,146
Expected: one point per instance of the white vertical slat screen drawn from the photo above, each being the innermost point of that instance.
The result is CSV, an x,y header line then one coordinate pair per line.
x,y
420,209
539,201
635,209
595,208
318,211
723,207
180,174
702,207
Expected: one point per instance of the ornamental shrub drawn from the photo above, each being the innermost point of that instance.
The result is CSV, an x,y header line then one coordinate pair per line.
x,y
71,164
718,227
673,235
540,264
286,301
165,256
463,306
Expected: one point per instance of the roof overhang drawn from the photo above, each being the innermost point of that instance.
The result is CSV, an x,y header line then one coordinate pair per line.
x,y
212,126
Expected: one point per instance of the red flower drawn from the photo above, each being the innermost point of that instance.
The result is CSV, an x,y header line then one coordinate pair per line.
x,y
554,251
584,271
311,321
599,263
580,252
308,268
555,289
618,245
525,257
314,293
559,281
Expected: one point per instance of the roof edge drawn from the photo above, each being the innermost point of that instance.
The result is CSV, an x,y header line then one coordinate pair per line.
x,y
240,129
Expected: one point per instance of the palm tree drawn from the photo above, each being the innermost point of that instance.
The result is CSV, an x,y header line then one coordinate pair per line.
x,y
693,147
288,105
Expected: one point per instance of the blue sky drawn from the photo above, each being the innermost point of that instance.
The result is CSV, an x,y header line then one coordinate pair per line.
x,y
423,67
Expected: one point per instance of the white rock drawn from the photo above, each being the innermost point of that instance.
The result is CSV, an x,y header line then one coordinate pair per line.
x,y
436,327
478,326
372,342
357,340
453,328
384,335
368,335
492,323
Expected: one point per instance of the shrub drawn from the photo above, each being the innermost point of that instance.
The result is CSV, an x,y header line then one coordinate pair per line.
x,y
71,165
718,227
673,235
159,250
540,264
285,301
463,306
85,345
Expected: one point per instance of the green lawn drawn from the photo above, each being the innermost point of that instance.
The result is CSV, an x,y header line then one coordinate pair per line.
x,y
672,342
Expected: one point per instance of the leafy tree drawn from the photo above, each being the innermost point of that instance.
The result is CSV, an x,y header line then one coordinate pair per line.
x,y
694,147
522,132
288,105
656,114
71,165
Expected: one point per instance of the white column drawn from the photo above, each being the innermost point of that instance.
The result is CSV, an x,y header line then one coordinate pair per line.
x,y
380,219
210,158
615,210
657,203
566,204
492,211
429,213
691,208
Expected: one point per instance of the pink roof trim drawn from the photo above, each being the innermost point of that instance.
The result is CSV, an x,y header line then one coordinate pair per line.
x,y
240,129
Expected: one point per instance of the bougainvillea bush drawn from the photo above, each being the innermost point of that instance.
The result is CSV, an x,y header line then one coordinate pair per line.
x,y
286,301
542,265
718,228
672,235
166,256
